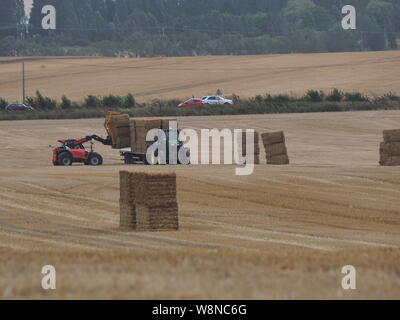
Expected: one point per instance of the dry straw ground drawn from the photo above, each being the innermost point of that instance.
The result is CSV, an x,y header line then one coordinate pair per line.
x,y
284,232
368,72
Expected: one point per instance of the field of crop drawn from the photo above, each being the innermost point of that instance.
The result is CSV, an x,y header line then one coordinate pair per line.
x,y
283,232
366,72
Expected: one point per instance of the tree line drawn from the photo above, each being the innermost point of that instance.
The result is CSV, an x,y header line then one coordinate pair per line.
x,y
147,28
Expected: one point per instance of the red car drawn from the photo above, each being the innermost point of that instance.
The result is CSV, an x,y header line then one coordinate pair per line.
x,y
191,103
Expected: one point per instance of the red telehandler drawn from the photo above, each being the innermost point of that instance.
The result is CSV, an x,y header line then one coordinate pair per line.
x,y
71,151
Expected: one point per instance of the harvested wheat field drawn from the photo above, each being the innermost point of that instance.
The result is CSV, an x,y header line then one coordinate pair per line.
x,y
283,232
367,72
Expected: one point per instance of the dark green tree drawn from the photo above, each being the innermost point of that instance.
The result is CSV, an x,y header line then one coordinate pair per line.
x,y
11,18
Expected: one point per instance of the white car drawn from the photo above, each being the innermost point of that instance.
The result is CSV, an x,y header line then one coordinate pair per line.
x,y
216,100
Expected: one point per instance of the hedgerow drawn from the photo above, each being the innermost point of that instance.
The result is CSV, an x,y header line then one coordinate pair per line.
x,y
97,106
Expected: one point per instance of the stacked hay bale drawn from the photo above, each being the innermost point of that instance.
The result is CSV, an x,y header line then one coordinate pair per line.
x,y
157,207
256,146
120,131
275,148
148,201
390,148
127,201
139,128
165,122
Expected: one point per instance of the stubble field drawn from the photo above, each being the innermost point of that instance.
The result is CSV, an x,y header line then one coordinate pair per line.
x,y
371,73
283,232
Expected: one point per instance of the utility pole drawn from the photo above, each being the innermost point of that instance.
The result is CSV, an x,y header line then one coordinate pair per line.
x,y
23,80
23,33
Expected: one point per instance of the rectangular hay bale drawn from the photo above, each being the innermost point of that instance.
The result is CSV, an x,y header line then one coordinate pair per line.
x,y
124,142
123,131
269,138
165,123
390,148
276,149
139,128
256,137
128,216
256,148
150,200
126,190
278,160
391,135
389,160
384,160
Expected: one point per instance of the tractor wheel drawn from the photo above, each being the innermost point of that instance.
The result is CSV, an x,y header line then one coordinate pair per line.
x,y
65,159
95,159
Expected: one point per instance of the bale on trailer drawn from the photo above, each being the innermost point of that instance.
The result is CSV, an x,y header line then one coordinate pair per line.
x,y
123,137
120,131
166,122
126,132
132,127
139,129
148,201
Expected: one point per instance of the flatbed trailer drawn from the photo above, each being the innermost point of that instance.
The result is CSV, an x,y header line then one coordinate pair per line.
x,y
128,154
130,157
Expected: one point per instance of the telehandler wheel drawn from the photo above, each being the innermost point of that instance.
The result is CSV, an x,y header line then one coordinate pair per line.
x,y
65,159
95,159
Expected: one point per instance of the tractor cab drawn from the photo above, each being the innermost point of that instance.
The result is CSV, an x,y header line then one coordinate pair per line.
x,y
71,144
